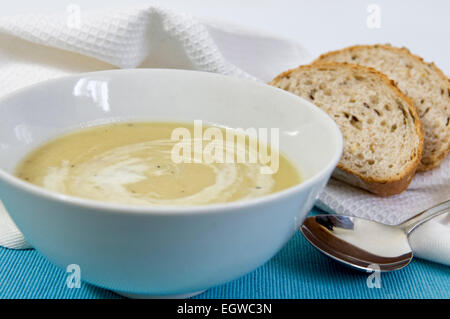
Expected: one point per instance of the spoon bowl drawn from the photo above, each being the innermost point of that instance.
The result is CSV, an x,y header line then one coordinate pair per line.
x,y
358,243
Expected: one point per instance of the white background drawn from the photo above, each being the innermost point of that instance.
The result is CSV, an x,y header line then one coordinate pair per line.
x,y
320,25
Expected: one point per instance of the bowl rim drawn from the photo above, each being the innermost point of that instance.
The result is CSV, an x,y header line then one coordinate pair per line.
x,y
169,210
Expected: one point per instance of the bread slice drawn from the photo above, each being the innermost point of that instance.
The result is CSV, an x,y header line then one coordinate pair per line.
x,y
423,82
383,137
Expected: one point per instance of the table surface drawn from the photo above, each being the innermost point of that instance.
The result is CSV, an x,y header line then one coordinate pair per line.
x,y
297,271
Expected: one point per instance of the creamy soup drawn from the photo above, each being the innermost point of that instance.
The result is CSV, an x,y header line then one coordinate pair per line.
x,y
134,163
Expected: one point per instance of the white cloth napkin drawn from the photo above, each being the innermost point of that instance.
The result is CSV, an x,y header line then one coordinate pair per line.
x,y
36,47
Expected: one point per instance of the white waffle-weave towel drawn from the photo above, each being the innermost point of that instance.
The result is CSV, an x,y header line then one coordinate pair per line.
x,y
35,48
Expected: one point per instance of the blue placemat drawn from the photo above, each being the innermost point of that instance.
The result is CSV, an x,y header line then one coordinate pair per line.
x,y
297,271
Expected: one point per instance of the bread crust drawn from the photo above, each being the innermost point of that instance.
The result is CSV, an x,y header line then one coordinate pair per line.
x,y
382,187
436,160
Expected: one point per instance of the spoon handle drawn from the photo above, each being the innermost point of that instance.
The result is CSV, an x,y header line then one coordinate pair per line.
x,y
425,216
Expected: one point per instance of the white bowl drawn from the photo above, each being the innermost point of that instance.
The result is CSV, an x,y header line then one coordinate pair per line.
x,y
161,251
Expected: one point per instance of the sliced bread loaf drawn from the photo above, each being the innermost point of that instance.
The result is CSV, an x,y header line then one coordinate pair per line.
x,y
383,137
423,82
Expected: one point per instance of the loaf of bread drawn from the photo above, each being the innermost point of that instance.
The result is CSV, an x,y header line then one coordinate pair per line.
x,y
423,82
383,136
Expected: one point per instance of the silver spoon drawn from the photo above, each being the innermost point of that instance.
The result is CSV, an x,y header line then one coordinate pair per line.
x,y
364,244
